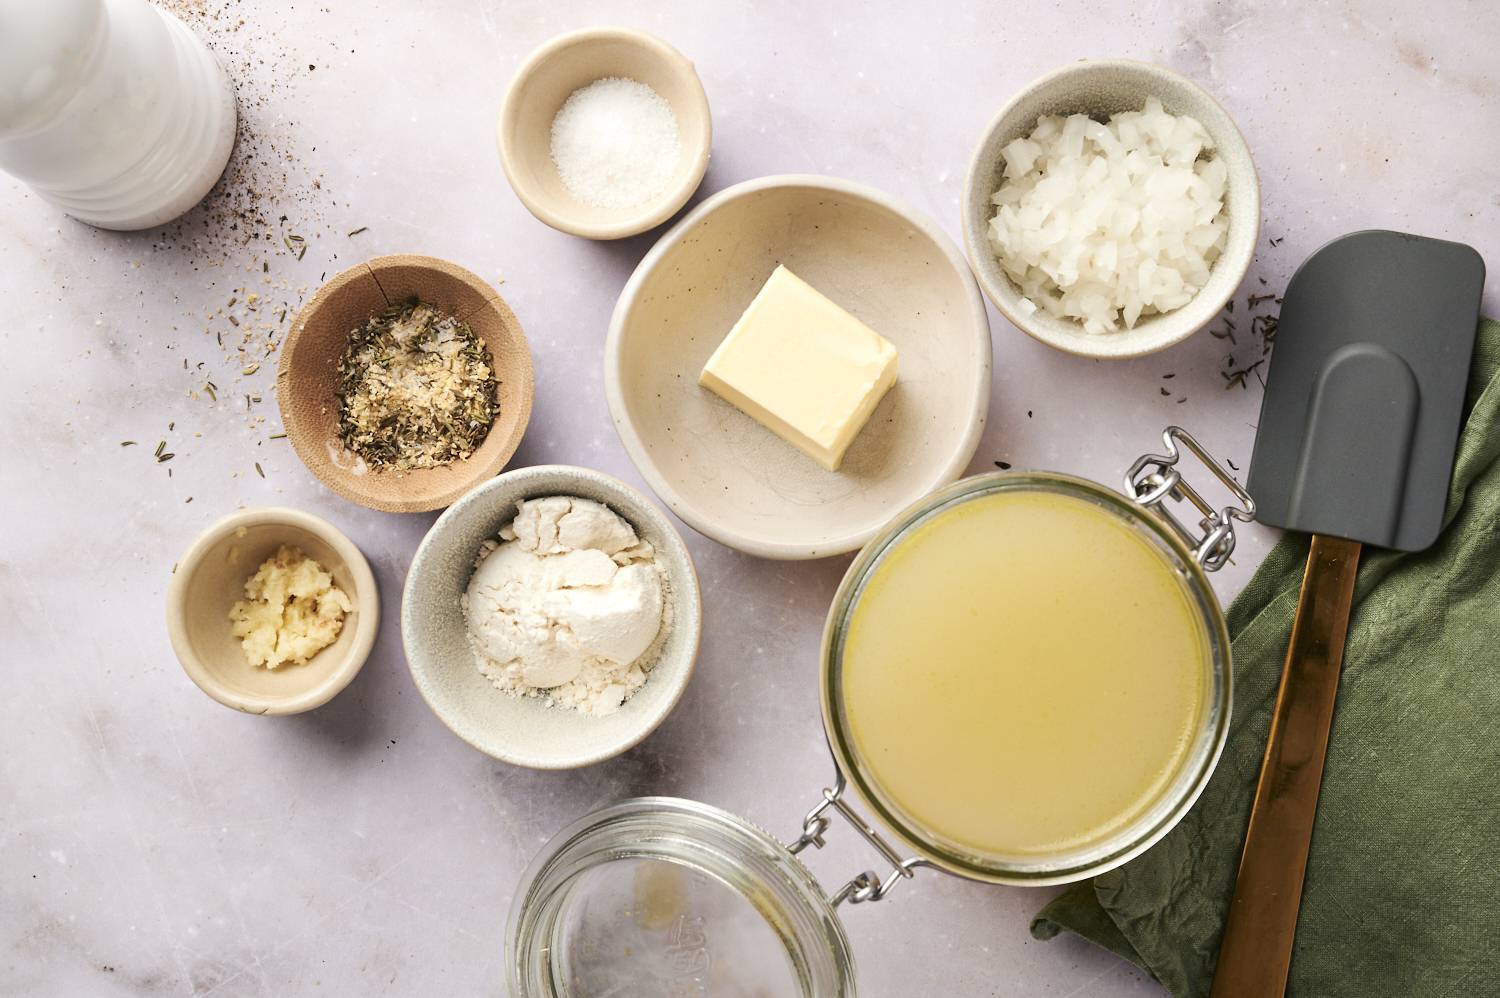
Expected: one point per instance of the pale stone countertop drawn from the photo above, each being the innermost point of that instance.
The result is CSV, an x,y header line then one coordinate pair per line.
x,y
154,842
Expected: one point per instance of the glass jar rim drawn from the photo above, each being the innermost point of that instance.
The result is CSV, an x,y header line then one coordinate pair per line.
x,y
1133,838
723,846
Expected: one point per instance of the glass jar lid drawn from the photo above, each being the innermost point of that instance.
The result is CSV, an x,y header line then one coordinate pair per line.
x,y
661,896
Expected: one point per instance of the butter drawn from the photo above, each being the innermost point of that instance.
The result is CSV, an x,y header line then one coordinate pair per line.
x,y
803,368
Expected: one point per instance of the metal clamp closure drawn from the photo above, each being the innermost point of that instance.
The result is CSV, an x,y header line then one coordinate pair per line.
x,y
1155,477
867,886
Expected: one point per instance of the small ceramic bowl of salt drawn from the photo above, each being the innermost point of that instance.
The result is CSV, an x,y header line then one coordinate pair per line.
x,y
605,132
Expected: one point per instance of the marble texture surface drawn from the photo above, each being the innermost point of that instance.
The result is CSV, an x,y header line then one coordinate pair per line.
x,y
153,842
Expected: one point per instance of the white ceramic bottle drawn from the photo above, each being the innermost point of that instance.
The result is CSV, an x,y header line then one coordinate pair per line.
x,y
113,110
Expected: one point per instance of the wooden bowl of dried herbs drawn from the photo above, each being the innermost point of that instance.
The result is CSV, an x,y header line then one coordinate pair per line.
x,y
405,382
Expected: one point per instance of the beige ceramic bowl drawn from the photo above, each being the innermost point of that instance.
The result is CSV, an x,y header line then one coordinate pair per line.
x,y
528,732
210,578
724,473
1100,88
549,76
307,379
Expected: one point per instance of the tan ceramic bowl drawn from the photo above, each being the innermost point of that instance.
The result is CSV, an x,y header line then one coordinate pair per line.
x,y
522,731
724,473
1099,88
549,76
211,576
307,379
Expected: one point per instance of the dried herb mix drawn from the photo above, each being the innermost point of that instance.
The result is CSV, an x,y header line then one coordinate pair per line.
x,y
417,389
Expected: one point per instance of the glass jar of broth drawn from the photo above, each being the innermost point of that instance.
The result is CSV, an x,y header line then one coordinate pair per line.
x,y
1025,676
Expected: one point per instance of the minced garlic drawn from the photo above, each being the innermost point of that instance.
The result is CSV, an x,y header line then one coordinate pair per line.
x,y
416,389
291,611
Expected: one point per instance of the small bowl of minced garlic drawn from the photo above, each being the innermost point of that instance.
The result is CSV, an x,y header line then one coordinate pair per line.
x,y
404,382
551,617
272,611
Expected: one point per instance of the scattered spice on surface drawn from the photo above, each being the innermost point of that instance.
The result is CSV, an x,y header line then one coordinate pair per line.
x,y
127,443
258,470
355,232
1003,465
278,436
416,389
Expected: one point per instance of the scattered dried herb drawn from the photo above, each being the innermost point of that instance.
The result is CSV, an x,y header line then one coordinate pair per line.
x,y
1164,391
355,232
160,446
1003,465
127,443
295,243
258,470
416,389
161,458
278,436
1232,378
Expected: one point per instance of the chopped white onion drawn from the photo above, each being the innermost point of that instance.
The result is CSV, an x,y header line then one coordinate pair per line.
x,y
1104,223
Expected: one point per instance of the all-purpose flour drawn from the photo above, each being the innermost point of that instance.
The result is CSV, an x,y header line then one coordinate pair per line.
x,y
567,605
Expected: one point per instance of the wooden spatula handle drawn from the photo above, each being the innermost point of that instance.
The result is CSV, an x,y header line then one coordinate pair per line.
x,y
1256,950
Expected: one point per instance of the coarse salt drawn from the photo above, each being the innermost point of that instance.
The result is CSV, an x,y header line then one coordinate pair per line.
x,y
615,143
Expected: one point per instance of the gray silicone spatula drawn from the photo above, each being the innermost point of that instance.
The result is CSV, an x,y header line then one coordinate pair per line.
x,y
1355,446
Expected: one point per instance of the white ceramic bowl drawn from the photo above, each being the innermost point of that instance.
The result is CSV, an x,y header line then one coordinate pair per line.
x,y
718,469
210,577
1099,88
549,76
521,731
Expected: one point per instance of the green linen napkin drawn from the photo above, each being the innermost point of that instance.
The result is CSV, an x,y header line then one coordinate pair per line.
x,y
1403,883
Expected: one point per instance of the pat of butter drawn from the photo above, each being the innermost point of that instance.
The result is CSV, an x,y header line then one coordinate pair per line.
x,y
803,368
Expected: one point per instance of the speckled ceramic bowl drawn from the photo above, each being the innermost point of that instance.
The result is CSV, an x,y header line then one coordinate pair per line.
x,y
1099,88
549,76
716,467
529,732
210,577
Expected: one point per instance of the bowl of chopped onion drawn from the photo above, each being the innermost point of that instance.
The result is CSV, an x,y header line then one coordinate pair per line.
x,y
1111,209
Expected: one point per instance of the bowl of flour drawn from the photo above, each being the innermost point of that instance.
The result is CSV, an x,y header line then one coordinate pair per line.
x,y
551,617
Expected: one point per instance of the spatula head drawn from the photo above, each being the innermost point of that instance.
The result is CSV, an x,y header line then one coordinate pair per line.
x,y
1366,389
